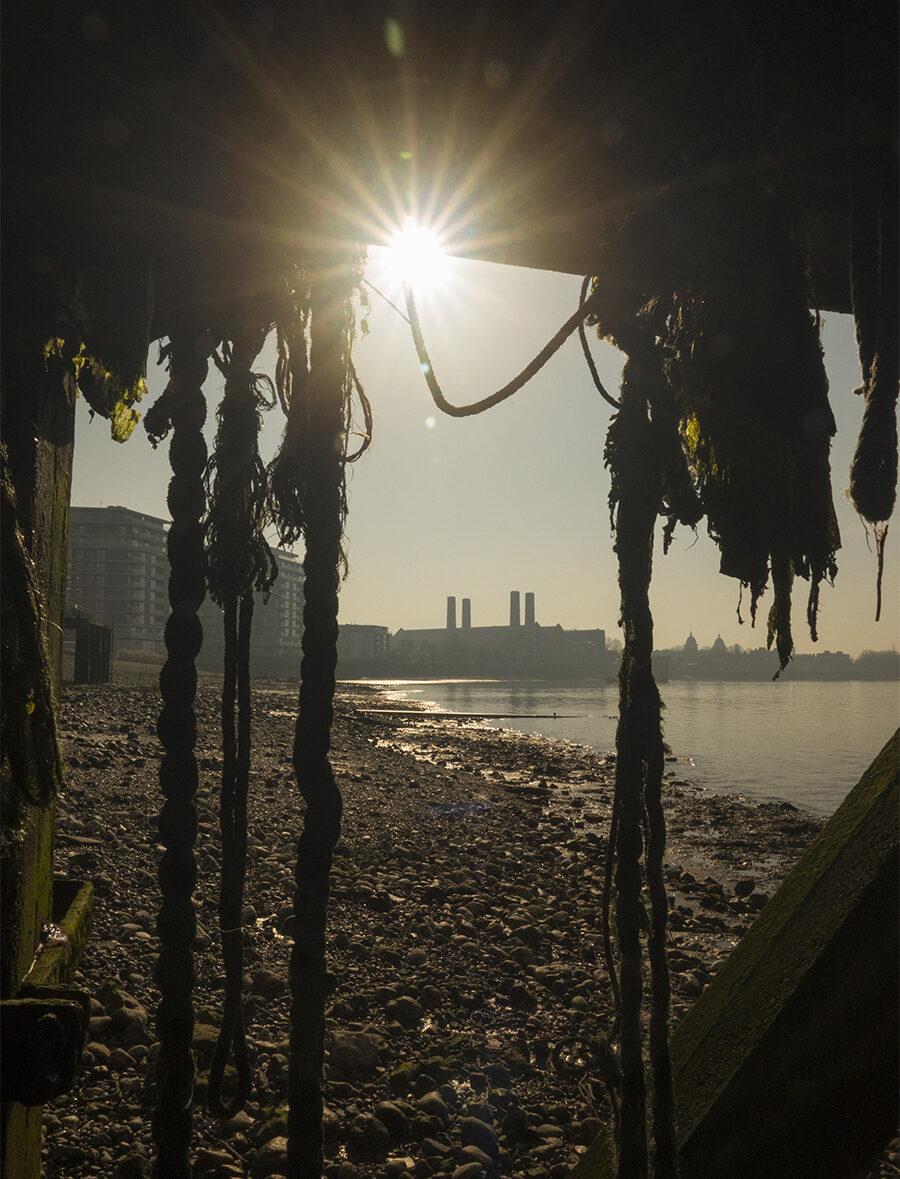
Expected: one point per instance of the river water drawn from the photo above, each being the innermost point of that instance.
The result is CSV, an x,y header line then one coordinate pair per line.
x,y
804,742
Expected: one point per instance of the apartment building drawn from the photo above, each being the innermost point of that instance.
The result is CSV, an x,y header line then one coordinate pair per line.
x,y
119,573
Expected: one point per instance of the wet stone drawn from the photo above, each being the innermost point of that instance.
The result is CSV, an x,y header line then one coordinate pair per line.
x,y
367,1138
395,1118
271,1159
353,1054
475,1133
434,1106
468,1171
405,1010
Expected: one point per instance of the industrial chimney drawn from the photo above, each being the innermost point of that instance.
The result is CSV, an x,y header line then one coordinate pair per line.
x,y
451,613
529,609
466,613
515,617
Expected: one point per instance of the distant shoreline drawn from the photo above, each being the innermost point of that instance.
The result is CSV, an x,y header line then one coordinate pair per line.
x,y
377,679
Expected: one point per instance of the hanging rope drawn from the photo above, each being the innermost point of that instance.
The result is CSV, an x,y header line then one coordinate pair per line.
x,y
233,826
184,409
665,1150
648,475
583,340
238,560
531,369
310,499
231,1033
649,470
237,555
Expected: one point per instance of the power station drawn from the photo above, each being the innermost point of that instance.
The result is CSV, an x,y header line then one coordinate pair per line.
x,y
519,648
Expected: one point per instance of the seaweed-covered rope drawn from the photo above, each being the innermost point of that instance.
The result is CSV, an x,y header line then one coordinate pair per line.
x,y
648,474
233,826
665,1154
238,561
326,386
291,467
231,1034
634,456
185,411
636,489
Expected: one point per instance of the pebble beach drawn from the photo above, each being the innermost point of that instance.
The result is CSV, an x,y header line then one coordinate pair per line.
x,y
464,935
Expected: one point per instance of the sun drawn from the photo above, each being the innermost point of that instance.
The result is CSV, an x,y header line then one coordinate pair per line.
x,y
415,257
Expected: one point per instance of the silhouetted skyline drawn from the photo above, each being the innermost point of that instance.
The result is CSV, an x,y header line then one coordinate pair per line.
x,y
518,495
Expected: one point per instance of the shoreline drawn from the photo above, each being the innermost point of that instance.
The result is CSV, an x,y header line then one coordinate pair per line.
x,y
464,935
805,744
580,780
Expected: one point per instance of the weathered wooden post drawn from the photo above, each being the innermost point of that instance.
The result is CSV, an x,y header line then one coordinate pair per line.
x,y
38,431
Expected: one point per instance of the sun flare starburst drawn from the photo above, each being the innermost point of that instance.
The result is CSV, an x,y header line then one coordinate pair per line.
x,y
414,256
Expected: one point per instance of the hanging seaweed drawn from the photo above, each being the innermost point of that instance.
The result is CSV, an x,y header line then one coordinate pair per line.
x,y
238,558
290,468
745,363
875,278
238,561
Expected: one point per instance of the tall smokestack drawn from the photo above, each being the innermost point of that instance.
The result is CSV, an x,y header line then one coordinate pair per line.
x,y
529,609
451,613
466,613
515,618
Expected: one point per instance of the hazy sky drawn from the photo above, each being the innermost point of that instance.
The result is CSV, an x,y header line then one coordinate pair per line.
x,y
514,498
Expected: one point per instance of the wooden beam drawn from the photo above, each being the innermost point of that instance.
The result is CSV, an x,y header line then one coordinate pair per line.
x,y
787,1063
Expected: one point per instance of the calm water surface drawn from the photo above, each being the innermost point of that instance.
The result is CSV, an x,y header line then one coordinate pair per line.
x,y
806,743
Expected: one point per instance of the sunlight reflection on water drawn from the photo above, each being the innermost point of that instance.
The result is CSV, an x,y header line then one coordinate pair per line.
x,y
804,742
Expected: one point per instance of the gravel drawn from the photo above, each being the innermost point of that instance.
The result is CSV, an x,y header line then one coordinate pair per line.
x,y
464,937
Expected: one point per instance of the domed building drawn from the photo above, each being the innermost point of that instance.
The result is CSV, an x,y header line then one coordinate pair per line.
x,y
690,645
